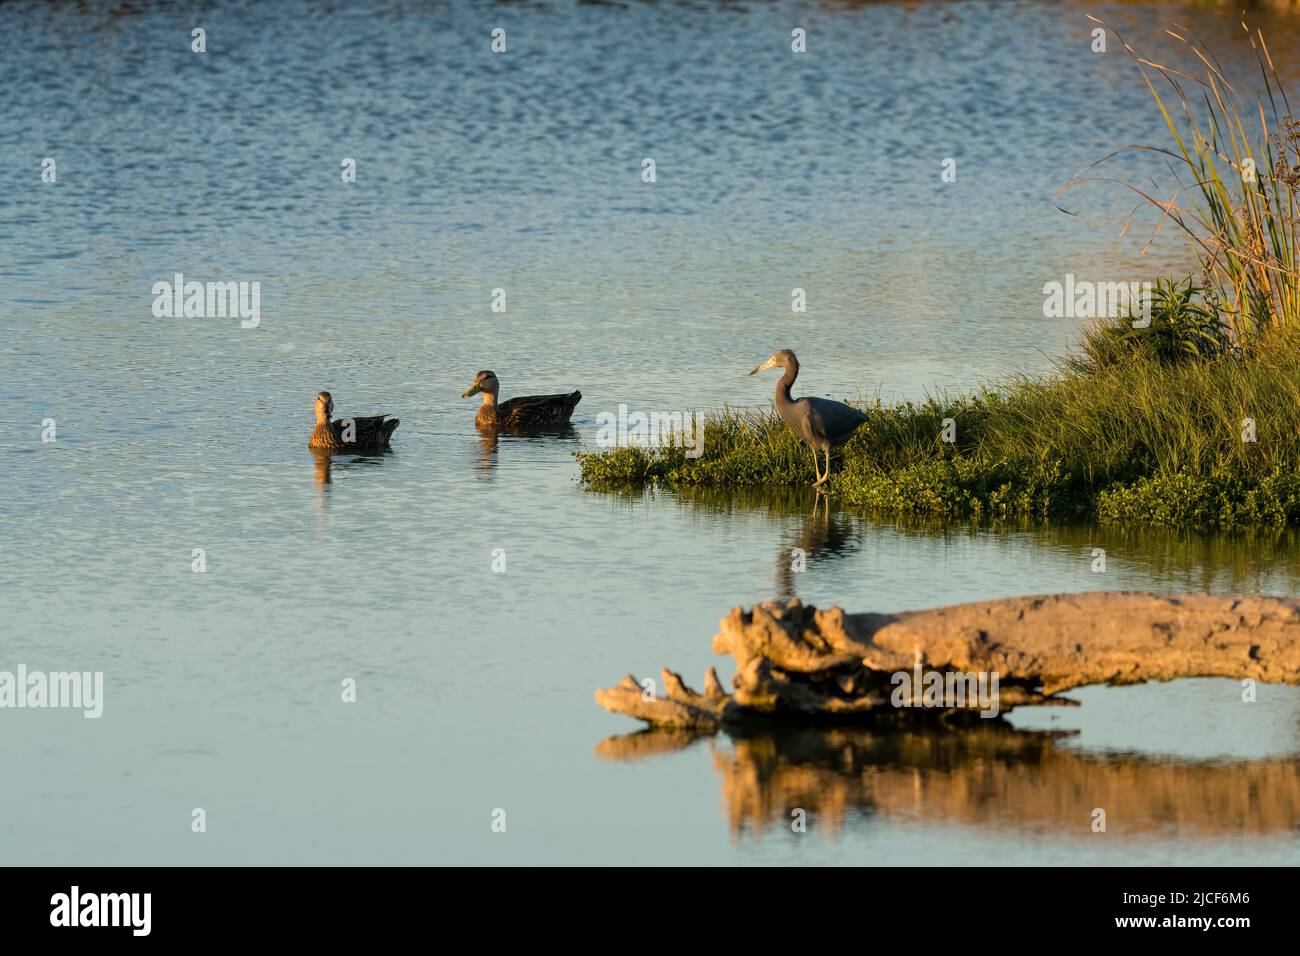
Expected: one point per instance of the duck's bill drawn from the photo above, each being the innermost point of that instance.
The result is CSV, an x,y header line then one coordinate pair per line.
x,y
472,390
758,368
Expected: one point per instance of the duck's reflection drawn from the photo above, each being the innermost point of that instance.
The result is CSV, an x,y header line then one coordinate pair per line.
x,y
992,776
325,464
489,445
488,454
325,467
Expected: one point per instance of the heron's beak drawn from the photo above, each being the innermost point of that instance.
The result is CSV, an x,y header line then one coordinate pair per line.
x,y
768,364
472,390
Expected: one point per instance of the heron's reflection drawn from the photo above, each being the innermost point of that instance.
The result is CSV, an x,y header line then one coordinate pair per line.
x,y
991,776
823,532
821,535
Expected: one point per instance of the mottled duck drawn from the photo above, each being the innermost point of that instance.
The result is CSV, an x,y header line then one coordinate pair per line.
x,y
821,423
525,411
349,434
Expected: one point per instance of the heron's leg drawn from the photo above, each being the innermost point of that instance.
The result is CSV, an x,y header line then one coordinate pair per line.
x,y
816,464
828,462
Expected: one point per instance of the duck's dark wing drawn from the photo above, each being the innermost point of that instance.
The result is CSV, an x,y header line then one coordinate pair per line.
x,y
371,431
527,410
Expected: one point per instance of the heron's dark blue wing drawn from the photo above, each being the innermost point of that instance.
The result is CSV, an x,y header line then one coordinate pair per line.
x,y
832,420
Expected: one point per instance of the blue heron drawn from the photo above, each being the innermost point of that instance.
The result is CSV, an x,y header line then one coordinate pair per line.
x,y
820,422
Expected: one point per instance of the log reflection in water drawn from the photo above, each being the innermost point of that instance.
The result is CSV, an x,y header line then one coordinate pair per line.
x,y
992,776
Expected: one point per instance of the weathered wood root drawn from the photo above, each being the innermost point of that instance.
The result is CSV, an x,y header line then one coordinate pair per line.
x,y
679,707
798,661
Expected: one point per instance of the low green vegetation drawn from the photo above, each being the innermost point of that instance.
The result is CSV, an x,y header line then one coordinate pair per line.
x,y
1193,420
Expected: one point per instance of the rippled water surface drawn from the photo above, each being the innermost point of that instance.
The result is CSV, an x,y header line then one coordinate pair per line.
x,y
522,171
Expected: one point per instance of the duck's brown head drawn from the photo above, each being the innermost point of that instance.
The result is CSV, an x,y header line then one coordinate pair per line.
x,y
324,406
483,382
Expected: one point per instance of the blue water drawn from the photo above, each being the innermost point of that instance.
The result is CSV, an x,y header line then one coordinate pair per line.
x,y
522,171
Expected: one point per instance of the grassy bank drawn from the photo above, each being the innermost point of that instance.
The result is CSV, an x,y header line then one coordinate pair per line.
x,y
1127,430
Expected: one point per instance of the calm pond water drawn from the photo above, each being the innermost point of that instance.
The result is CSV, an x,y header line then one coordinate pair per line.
x,y
522,171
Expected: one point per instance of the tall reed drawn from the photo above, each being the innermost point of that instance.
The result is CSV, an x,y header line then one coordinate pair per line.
x,y
1241,166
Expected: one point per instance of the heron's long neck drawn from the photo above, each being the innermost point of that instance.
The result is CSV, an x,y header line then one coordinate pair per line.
x,y
783,386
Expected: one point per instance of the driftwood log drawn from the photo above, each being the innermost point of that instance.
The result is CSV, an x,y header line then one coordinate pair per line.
x,y
800,663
